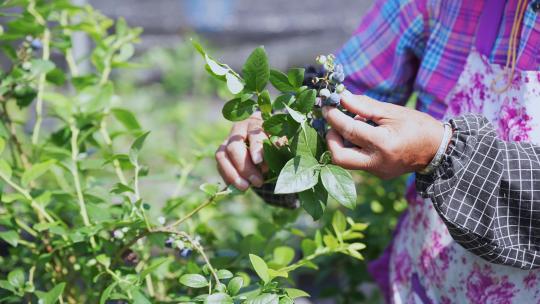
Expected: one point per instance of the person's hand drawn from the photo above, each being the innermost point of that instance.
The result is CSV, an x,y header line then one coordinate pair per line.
x,y
237,158
404,141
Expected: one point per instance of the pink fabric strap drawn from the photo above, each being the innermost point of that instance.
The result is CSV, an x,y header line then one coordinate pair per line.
x,y
489,24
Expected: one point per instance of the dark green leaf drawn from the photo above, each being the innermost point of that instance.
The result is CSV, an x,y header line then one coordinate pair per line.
x,y
305,101
282,101
237,110
307,142
296,77
275,158
299,174
280,81
280,125
256,70
265,104
340,185
314,201
11,237
16,278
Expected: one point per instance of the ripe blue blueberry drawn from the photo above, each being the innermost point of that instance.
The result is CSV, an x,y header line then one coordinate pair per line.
x,y
169,243
36,44
337,77
333,100
339,69
319,124
186,252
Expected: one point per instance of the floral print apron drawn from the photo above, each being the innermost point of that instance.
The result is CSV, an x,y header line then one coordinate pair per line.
x,y
426,265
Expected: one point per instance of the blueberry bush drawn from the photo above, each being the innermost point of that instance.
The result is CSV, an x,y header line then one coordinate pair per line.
x,y
78,224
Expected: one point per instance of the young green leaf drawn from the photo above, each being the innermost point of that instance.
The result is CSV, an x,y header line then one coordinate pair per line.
x,y
52,296
235,284
126,118
340,185
314,201
136,146
265,104
265,298
256,70
283,255
296,293
339,223
36,171
280,81
224,274
104,260
194,280
237,110
5,169
296,77
16,278
260,267
298,174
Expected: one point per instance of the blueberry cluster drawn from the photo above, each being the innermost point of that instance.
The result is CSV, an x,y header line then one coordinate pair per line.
x,y
330,85
183,248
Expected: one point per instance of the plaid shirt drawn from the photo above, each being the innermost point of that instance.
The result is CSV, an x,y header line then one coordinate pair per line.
x,y
422,45
487,191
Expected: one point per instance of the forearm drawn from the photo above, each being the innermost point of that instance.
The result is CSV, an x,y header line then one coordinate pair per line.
x,y
488,193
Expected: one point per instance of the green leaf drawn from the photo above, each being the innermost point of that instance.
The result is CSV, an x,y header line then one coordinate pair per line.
x,y
126,118
218,298
283,255
280,81
210,189
234,84
339,223
330,241
235,285
224,274
256,70
40,66
16,278
104,260
305,101
35,172
11,237
282,101
340,185
5,169
260,267
280,125
155,265
136,147
56,76
308,247
296,77
107,293
2,144
265,103
307,142
297,116
275,158
53,295
215,67
296,293
139,297
298,174
237,110
314,201
266,298
194,280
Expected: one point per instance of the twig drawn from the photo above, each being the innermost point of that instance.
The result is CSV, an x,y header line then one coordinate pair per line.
x,y
13,134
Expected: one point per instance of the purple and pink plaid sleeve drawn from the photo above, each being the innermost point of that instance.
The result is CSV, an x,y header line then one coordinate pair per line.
x,y
403,46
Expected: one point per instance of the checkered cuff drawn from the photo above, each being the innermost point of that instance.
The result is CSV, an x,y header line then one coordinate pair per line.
x,y
487,191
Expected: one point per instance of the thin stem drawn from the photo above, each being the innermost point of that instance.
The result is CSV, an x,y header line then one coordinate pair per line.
x,y
42,78
194,211
37,207
13,133
75,172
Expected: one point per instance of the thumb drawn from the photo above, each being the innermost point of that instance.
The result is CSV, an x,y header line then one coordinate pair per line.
x,y
364,106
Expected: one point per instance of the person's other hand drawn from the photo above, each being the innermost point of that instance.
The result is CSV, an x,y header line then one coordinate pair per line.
x,y
404,141
237,158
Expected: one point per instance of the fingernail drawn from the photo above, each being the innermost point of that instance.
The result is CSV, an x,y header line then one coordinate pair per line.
x,y
255,180
241,183
257,158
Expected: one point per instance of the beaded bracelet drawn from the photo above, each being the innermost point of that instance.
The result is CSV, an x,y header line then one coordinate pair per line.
x,y
436,161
